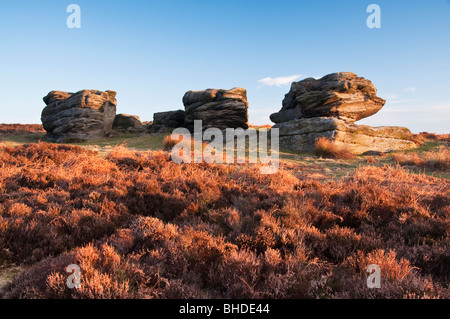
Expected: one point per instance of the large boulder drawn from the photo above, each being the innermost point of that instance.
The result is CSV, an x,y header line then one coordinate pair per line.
x,y
217,108
127,123
300,135
343,95
87,114
328,108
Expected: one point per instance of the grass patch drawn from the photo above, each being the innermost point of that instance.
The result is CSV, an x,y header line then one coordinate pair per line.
x,y
143,142
20,139
7,273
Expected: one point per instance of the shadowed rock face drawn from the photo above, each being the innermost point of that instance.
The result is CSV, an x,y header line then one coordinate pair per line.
x,y
342,95
166,122
217,108
87,114
127,123
169,119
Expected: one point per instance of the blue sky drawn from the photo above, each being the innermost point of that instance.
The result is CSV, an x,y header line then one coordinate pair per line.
x,y
152,52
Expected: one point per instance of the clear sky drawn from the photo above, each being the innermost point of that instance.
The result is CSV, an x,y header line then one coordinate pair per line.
x,y
152,52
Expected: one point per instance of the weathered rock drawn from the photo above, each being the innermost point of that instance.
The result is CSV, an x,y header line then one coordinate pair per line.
x,y
343,95
217,108
167,121
300,135
328,107
172,119
127,123
87,114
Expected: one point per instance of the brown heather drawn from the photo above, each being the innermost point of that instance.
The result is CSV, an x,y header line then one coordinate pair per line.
x,y
329,149
169,143
436,159
186,142
15,129
141,226
427,137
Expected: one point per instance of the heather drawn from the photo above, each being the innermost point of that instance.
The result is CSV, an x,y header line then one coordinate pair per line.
x,y
437,159
20,128
141,226
328,149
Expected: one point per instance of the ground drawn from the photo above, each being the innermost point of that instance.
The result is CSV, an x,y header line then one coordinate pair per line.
x,y
150,228
310,163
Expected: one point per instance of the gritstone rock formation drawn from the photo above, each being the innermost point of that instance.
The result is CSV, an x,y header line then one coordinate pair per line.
x,y
167,121
217,108
328,107
87,114
342,95
300,135
128,123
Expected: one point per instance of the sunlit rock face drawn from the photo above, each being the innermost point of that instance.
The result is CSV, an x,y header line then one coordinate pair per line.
x,y
342,95
87,114
300,135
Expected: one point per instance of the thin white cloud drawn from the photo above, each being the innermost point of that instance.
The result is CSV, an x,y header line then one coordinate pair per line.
x,y
280,80
391,97
442,107
411,89
395,98
402,101
417,117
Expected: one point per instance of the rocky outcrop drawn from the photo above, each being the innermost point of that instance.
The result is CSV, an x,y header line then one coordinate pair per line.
x,y
217,108
87,114
167,121
328,107
128,123
300,135
343,95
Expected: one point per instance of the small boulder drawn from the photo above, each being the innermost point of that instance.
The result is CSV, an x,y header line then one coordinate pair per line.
x,y
375,153
127,123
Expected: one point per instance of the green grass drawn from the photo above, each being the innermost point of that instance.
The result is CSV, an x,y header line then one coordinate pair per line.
x,y
15,140
132,141
425,147
7,273
141,143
